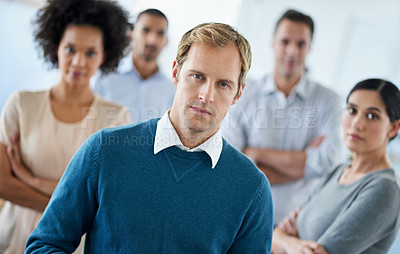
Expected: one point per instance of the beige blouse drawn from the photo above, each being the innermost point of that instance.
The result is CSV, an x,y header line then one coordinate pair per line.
x,y
47,145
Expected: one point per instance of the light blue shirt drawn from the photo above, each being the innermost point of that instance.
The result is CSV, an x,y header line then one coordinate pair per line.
x,y
265,118
145,98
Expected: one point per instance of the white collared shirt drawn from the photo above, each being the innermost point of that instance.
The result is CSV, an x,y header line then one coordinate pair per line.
x,y
166,136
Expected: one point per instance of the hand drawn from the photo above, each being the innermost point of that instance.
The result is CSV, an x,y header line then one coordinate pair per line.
x,y
17,166
316,142
289,224
313,248
305,247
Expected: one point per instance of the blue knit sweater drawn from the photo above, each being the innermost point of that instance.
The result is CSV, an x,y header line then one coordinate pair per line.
x,y
129,200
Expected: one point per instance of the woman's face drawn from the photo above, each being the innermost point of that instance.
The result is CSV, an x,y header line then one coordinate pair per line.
x,y
366,125
80,54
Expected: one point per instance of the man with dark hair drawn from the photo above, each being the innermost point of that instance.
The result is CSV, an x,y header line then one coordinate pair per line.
x,y
141,86
286,123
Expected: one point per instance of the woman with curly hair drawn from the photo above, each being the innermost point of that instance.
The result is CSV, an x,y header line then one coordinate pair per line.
x,y
355,210
40,131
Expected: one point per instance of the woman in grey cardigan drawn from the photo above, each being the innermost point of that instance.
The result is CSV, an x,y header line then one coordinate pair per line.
x,y
356,207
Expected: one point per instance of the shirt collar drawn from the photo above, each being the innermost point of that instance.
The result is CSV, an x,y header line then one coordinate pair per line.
x,y
300,89
166,136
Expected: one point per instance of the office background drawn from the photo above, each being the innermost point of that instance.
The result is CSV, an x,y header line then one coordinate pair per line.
x,y
353,40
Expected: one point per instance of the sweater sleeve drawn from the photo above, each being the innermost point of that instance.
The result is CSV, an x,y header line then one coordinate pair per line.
x,y
372,216
73,204
255,234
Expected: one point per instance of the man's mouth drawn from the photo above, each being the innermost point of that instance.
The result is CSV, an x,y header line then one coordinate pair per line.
x,y
201,110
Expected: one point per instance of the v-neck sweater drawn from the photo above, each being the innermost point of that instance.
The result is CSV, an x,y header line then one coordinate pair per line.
x,y
129,200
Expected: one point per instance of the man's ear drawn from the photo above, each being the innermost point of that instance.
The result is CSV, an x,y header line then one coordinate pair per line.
x,y
239,94
175,73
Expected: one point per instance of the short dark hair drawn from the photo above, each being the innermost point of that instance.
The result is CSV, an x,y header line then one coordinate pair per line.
x,y
53,19
154,12
298,17
389,93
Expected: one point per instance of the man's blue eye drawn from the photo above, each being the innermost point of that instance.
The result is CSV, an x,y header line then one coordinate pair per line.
x,y
223,84
197,76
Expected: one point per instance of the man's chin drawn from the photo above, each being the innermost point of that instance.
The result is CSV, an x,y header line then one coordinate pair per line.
x,y
197,126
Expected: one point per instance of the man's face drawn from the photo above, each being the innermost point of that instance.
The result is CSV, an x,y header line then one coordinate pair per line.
x,y
149,36
207,84
292,42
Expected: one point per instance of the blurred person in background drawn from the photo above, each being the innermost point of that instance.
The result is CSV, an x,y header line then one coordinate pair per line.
x,y
41,130
286,123
356,207
141,86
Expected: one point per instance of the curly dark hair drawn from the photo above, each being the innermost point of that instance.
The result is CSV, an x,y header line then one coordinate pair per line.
x,y
108,16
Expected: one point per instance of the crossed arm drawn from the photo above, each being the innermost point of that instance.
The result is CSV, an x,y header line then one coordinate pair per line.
x,y
281,166
18,184
286,239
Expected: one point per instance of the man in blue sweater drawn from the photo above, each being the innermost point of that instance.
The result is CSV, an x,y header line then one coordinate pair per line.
x,y
169,185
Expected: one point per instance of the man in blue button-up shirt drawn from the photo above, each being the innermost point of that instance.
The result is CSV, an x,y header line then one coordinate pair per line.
x,y
286,123
142,87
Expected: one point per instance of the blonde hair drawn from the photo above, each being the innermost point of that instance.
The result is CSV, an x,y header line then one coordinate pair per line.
x,y
216,35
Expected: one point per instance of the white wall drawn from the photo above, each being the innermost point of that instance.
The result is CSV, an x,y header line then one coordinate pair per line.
x,y
352,40
20,67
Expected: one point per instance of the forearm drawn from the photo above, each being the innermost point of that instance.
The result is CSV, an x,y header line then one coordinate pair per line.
x,y
275,177
289,163
16,191
23,173
44,186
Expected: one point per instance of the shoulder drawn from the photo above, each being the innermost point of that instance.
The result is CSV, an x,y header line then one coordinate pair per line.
x,y
120,140
384,181
162,82
250,95
322,93
112,79
101,102
244,170
110,112
248,182
29,100
254,87
29,96
133,130
161,75
380,189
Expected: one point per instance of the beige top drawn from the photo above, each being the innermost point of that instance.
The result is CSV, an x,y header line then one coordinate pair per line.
x,y
47,144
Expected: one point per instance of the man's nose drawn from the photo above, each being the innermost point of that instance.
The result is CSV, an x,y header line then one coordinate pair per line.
x,y
206,93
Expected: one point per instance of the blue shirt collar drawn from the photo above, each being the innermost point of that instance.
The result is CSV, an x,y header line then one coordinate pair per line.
x,y
300,89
